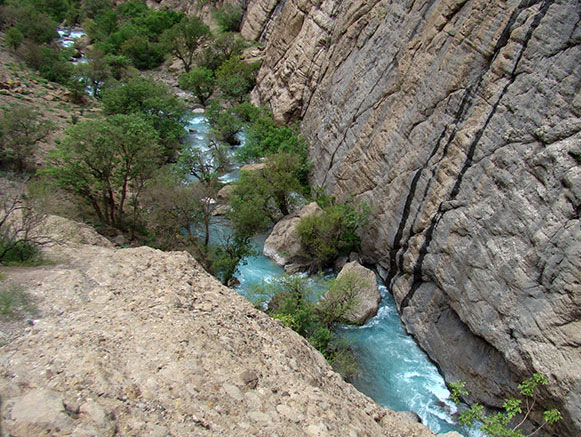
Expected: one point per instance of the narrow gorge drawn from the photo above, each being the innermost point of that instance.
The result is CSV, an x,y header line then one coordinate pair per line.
x,y
459,122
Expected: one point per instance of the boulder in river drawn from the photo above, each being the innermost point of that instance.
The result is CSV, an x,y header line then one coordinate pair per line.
x,y
253,167
225,193
368,296
283,244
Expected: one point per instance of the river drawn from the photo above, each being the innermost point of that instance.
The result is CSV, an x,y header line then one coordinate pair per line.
x,y
395,372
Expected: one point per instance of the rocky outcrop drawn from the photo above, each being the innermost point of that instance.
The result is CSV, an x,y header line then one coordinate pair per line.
x,y
142,342
459,122
283,245
259,19
367,293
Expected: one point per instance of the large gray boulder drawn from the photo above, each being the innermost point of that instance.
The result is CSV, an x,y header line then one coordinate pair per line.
x,y
368,297
283,244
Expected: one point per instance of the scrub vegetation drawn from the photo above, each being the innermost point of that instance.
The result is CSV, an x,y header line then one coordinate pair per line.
x,y
515,412
128,169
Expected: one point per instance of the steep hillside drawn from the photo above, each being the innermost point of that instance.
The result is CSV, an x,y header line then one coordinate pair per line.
x,y
142,342
459,122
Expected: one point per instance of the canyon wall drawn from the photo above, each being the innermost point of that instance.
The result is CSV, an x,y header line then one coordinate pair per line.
x,y
459,122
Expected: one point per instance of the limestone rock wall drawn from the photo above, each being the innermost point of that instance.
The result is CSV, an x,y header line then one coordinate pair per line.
x,y
459,122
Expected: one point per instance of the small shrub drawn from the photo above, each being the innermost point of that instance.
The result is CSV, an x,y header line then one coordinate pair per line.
x,y
229,17
14,301
507,423
327,236
294,303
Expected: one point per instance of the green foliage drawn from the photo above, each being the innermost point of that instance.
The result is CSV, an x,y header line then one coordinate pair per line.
x,y
31,21
21,130
264,137
225,124
250,207
51,62
177,212
294,303
143,53
458,390
327,236
154,101
131,30
263,196
235,78
92,8
106,163
205,166
229,17
13,37
20,224
94,73
15,253
229,255
200,81
504,423
224,46
14,301
341,298
117,65
184,38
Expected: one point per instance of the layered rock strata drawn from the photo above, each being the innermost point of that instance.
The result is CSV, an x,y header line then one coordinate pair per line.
x,y
142,342
459,122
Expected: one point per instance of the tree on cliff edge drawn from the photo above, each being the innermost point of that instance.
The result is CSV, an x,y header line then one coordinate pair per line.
x,y
184,38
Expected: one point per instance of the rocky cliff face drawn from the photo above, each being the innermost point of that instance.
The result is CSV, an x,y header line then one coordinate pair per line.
x,y
138,342
459,122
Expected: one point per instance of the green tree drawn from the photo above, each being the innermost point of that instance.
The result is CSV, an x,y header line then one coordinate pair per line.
x,y
107,162
92,8
235,78
222,47
229,17
154,101
178,213
94,73
228,255
184,38
20,228
51,62
327,236
200,81
13,37
143,53
33,23
280,173
250,204
225,124
263,196
297,305
509,422
22,129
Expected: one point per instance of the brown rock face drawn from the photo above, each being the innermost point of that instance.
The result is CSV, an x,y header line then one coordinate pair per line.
x,y
141,342
459,122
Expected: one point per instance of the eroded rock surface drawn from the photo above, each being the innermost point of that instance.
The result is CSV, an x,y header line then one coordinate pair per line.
x,y
283,245
142,342
459,122
368,296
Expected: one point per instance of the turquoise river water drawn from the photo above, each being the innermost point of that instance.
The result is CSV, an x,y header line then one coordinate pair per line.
x,y
395,372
